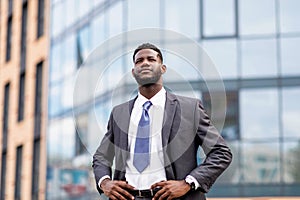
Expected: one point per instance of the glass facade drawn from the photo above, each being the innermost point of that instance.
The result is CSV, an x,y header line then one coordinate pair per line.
x,y
255,54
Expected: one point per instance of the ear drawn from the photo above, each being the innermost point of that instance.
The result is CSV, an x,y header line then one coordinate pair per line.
x,y
132,72
163,69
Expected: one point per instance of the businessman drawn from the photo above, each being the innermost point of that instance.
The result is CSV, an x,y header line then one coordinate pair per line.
x,y
153,141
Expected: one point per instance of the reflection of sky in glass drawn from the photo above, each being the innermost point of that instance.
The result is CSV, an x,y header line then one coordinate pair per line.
x,y
259,58
55,62
57,24
115,15
223,54
143,14
291,111
257,17
290,48
98,31
180,20
219,17
259,113
68,58
289,16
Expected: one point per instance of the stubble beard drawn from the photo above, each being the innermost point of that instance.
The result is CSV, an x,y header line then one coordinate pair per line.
x,y
148,81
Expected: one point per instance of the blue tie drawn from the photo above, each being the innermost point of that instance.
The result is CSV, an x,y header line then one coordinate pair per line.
x,y
141,157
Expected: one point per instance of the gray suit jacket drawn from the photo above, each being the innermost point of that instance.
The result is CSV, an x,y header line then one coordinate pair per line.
x,y
186,126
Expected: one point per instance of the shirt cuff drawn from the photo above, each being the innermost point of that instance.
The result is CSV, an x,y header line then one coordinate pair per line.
x,y
101,179
191,179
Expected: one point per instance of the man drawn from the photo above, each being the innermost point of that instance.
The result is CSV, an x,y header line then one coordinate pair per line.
x,y
154,139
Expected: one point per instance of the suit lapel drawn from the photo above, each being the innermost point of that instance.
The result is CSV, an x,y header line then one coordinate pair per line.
x,y
170,108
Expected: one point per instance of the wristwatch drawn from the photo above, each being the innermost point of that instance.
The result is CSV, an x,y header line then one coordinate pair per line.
x,y
191,183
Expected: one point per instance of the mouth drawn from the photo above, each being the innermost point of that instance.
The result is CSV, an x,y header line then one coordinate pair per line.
x,y
145,71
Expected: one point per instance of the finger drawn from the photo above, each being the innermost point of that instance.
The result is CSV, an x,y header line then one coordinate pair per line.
x,y
159,193
159,184
164,195
117,195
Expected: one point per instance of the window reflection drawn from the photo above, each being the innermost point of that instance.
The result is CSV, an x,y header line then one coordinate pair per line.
x,y
180,20
290,48
260,163
224,55
257,17
57,24
115,15
259,113
143,13
289,16
219,18
259,58
291,162
291,111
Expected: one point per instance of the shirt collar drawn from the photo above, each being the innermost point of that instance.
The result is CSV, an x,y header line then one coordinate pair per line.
x,y
157,100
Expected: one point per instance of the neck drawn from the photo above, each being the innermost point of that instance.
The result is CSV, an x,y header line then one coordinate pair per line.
x,y
149,91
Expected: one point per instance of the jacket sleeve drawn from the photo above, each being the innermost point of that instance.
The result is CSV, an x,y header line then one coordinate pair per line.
x,y
218,154
104,155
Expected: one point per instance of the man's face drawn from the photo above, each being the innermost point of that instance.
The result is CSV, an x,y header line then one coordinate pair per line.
x,y
147,67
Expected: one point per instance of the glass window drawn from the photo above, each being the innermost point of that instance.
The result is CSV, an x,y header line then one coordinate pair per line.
x,y
67,88
289,16
55,105
41,14
185,21
257,17
115,15
21,97
83,7
219,18
98,31
259,113
55,62
58,13
70,16
291,162
259,58
143,14
223,54
18,174
5,115
8,39
290,48
68,58
260,163
3,176
291,111
35,169
84,45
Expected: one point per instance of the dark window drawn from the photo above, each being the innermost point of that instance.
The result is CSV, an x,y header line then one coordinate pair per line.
x,y
18,173
41,14
23,36
35,169
38,98
3,176
230,129
21,97
8,38
5,117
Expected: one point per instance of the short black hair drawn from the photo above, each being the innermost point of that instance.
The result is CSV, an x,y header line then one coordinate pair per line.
x,y
148,46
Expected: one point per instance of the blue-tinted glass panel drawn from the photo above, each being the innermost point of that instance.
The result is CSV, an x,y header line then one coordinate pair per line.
x,y
291,161
185,21
84,43
115,16
289,16
290,48
70,16
98,31
259,113
55,62
291,112
223,54
55,105
143,14
257,17
68,59
259,58
58,13
219,18
260,163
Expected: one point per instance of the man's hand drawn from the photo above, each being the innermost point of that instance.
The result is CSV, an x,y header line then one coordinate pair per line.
x,y
116,189
171,189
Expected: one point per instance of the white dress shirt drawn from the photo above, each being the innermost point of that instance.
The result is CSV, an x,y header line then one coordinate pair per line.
x,y
155,171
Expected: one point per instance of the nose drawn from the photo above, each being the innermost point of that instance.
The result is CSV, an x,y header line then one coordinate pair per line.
x,y
145,63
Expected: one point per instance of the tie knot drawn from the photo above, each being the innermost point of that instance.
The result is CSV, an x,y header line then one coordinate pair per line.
x,y
147,105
